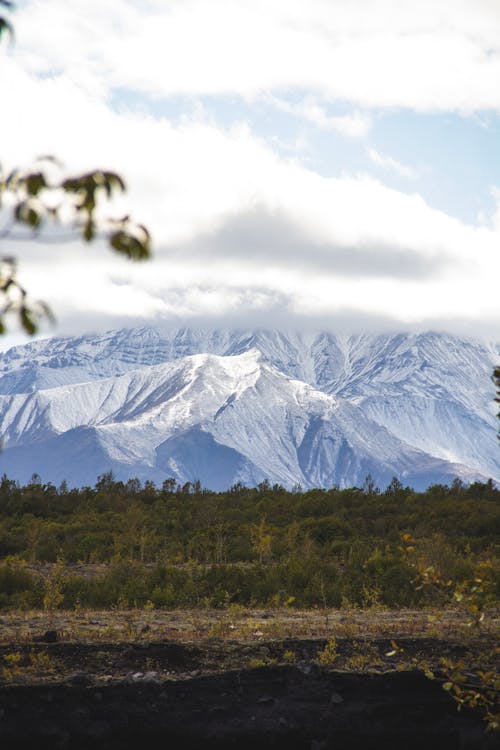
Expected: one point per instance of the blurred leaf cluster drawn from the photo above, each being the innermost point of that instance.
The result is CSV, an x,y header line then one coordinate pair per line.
x,y
33,198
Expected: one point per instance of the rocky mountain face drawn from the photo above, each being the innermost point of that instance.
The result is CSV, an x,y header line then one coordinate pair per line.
x,y
314,409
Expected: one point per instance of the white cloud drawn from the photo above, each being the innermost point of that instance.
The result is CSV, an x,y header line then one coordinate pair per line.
x,y
495,218
435,55
387,162
239,230
354,125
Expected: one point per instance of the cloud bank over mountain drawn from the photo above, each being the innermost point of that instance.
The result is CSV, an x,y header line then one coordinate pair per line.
x,y
320,161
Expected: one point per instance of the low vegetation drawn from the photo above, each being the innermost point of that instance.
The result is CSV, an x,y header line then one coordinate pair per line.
x,y
128,545
382,580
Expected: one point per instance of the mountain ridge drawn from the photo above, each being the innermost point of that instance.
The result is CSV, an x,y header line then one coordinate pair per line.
x,y
320,408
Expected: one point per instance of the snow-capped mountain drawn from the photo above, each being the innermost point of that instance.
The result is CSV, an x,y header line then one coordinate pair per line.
x,y
228,406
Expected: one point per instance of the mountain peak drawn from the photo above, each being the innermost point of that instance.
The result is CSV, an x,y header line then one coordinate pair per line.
x,y
313,408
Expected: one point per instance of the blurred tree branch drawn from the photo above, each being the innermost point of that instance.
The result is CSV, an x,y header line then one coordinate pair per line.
x,y
31,199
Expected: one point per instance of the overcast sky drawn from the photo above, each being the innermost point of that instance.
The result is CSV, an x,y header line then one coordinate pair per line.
x,y
329,163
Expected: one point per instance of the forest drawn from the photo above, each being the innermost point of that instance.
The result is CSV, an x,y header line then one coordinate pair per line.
x,y
134,545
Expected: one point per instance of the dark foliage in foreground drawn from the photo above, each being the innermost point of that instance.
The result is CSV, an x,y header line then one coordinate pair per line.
x,y
185,546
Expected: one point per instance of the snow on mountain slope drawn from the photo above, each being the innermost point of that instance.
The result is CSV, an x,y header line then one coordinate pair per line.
x,y
406,405
233,418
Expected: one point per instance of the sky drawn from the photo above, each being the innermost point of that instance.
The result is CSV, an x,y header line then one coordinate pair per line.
x,y
324,164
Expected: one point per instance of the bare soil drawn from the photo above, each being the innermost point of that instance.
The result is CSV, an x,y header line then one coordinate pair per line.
x,y
217,679
239,623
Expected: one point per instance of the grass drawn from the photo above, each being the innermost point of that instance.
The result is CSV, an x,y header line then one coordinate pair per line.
x,y
238,623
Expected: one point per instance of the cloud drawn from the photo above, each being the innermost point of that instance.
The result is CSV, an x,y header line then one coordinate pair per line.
x,y
354,125
260,237
187,179
240,232
387,162
253,270
235,225
393,53
495,218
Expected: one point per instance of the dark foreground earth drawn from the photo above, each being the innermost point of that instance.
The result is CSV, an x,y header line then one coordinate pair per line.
x,y
217,695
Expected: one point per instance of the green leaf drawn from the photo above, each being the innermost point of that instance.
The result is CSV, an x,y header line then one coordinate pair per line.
x,y
35,182
128,245
70,185
145,230
27,321
26,214
113,180
11,180
6,27
89,230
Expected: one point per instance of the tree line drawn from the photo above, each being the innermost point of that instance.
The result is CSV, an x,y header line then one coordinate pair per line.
x,y
183,545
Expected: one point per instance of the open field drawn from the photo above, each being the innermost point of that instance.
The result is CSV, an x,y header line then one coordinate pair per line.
x,y
240,623
109,645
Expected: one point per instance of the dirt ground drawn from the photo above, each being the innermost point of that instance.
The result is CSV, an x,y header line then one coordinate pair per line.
x,y
160,645
240,623
240,677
